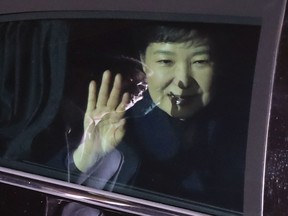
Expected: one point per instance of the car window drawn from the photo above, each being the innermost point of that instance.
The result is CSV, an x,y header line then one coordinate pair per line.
x,y
151,110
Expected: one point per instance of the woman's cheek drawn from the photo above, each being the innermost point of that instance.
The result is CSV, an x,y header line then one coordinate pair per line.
x,y
205,80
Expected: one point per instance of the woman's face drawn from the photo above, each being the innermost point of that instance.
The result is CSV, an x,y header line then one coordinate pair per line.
x,y
179,76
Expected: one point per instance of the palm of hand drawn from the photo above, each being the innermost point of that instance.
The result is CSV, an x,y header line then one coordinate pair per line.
x,y
104,129
104,122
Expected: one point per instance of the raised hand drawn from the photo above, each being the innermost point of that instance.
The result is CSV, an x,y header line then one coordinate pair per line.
x,y
104,122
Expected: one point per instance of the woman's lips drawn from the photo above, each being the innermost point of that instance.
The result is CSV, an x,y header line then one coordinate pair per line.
x,y
180,99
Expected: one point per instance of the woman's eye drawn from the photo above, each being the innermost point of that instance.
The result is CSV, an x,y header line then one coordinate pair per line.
x,y
165,62
202,62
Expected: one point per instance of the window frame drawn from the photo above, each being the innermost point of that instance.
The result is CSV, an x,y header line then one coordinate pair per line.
x,y
257,142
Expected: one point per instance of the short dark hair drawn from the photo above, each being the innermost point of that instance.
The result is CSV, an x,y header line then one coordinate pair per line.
x,y
174,32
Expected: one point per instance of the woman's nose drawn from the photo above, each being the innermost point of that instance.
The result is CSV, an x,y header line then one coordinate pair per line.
x,y
183,77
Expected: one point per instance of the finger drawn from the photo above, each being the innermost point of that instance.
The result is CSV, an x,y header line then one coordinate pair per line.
x,y
114,98
104,89
118,115
91,102
124,102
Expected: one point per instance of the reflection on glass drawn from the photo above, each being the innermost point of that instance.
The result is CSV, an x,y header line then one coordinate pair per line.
x,y
149,109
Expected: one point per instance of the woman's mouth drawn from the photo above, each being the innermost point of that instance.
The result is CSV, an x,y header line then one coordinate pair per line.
x,y
178,99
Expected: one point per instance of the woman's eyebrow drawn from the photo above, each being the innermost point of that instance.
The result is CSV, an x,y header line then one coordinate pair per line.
x,y
165,52
201,52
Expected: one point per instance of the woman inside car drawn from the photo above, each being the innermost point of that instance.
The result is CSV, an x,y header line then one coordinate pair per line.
x,y
171,139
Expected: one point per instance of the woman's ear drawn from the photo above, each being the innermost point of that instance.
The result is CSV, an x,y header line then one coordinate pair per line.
x,y
142,59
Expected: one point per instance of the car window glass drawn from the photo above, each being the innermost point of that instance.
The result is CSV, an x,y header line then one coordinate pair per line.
x,y
153,110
